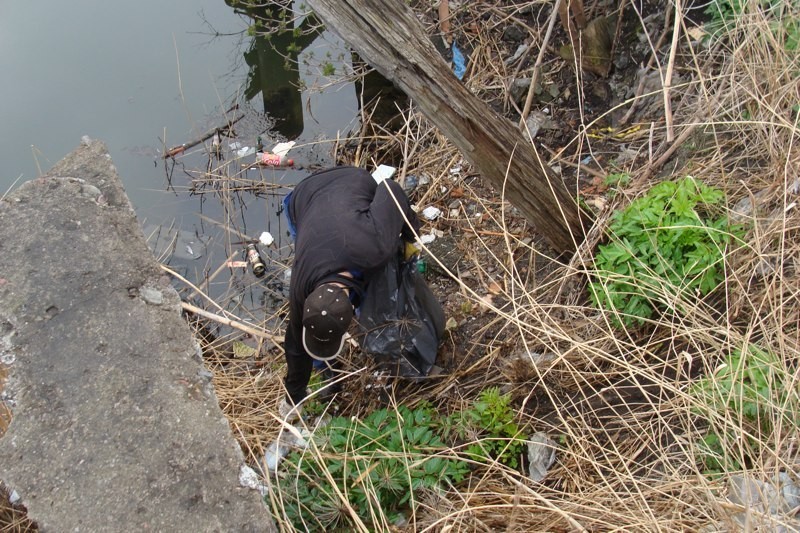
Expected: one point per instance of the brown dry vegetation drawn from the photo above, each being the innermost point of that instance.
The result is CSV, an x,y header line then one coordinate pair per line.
x,y
617,401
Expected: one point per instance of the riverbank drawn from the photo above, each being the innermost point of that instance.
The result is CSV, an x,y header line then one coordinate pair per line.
x,y
114,421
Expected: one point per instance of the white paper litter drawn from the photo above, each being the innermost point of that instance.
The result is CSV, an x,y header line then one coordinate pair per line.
x,y
383,172
266,238
283,148
427,239
431,212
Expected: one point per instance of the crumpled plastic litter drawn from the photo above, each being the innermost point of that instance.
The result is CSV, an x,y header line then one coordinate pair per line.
x,y
459,66
290,437
431,212
241,150
541,456
266,238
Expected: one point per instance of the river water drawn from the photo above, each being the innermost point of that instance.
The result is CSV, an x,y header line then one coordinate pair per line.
x,y
146,75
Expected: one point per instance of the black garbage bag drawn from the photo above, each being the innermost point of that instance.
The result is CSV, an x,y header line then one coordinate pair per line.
x,y
401,320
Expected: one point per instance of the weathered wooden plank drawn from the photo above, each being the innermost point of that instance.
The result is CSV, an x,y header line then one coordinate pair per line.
x,y
387,34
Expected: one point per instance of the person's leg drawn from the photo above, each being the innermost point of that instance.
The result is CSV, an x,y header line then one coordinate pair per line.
x,y
298,372
330,385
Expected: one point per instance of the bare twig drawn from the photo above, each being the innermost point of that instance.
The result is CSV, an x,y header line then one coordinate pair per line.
x,y
176,150
667,81
241,326
537,66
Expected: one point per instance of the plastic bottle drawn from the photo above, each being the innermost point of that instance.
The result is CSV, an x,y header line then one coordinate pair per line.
x,y
274,160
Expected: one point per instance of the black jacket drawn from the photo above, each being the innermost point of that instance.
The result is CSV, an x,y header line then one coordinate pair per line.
x,y
345,222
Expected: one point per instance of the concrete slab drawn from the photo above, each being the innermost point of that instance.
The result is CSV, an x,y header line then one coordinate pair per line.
x,y
115,424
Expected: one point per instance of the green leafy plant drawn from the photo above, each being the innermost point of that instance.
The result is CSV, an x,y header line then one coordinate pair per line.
x,y
666,244
754,387
619,179
364,467
490,428
723,15
615,181
781,14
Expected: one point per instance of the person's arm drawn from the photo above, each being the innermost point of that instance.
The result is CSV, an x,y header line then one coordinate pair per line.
x,y
298,363
390,221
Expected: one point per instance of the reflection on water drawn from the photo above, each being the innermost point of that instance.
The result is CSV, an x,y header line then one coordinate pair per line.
x,y
238,200
273,61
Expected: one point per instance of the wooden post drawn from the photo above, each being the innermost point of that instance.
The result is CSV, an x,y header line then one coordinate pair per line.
x,y
387,34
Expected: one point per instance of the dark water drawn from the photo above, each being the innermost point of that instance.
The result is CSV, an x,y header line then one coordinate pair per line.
x,y
142,75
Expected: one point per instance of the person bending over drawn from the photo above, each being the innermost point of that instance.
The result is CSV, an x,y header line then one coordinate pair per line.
x,y
346,227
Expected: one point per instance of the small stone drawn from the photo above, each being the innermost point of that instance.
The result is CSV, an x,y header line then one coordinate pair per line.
x,y
151,296
514,33
248,477
90,191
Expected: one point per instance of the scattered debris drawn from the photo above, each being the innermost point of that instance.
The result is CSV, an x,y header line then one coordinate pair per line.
x,y
223,130
541,456
765,503
266,238
431,212
383,172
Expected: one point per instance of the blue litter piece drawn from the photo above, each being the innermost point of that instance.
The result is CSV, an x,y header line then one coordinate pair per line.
x,y
459,66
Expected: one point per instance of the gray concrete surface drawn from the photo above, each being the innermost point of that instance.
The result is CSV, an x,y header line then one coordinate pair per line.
x,y
115,425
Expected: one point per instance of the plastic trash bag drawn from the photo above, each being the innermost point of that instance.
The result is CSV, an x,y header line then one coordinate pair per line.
x,y
401,320
459,65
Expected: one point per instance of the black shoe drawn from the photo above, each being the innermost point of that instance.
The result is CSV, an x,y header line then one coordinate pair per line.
x,y
328,392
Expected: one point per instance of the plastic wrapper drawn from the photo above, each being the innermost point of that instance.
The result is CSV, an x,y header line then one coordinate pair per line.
x,y
401,320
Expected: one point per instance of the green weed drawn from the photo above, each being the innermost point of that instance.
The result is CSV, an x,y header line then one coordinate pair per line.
x,y
367,468
726,15
753,388
619,179
666,244
489,426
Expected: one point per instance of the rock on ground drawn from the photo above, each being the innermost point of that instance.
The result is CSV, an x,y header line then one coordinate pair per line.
x,y
116,426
